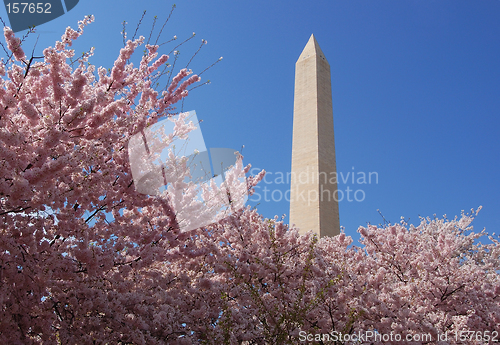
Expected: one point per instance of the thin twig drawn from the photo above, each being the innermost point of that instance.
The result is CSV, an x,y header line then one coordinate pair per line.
x,y
139,24
165,23
203,42
212,65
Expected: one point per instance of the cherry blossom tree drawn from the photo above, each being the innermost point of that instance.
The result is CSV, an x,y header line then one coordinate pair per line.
x,y
80,246
87,258
435,278
255,281
272,286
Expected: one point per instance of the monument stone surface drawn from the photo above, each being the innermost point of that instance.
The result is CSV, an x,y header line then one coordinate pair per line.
x,y
313,193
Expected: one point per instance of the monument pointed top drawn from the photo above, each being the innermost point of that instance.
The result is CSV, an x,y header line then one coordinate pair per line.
x,y
312,48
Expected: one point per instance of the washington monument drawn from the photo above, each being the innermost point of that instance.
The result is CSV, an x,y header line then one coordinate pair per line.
x,y
313,191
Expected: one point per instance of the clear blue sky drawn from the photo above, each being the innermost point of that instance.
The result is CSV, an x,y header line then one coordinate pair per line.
x,y
416,92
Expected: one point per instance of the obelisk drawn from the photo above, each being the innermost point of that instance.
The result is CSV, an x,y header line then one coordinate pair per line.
x,y
313,191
